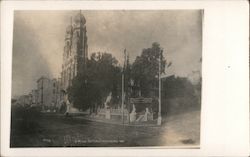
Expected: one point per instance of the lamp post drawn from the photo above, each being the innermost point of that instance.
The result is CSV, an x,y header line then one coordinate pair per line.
x,y
159,112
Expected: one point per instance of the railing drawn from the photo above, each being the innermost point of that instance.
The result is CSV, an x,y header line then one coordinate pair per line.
x,y
112,111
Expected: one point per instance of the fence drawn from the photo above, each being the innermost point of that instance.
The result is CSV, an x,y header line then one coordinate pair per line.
x,y
115,114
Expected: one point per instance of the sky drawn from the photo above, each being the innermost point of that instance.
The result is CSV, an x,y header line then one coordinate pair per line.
x,y
38,40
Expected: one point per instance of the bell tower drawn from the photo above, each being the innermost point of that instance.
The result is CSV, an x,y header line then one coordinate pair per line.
x,y
80,46
75,50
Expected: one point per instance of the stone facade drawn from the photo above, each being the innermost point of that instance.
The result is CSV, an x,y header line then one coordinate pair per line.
x,y
75,50
45,92
57,93
49,92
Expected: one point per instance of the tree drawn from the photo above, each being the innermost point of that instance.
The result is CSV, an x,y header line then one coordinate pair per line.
x,y
92,85
145,69
179,94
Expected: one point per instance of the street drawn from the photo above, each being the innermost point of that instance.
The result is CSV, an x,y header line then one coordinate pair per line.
x,y
51,130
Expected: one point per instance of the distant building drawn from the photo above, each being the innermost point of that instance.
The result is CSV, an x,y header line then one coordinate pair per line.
x,y
57,92
48,93
34,96
24,100
75,50
45,92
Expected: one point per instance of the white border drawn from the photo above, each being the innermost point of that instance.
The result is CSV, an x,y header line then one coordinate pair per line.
x,y
225,88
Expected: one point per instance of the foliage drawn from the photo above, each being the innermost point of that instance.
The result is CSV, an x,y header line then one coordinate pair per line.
x,y
177,87
180,95
93,83
102,75
145,69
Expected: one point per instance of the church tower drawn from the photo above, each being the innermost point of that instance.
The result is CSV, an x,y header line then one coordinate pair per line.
x,y
75,53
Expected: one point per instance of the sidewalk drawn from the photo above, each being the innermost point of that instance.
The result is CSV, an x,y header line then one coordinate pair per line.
x,y
115,122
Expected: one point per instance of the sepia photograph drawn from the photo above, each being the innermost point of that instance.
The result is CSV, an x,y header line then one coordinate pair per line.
x,y
106,78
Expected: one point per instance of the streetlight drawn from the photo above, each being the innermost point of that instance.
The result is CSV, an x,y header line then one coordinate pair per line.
x,y
159,112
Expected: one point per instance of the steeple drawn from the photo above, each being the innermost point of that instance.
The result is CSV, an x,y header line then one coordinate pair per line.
x,y
79,19
75,50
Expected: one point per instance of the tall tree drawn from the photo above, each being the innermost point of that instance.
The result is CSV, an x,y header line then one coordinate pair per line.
x,y
91,87
145,69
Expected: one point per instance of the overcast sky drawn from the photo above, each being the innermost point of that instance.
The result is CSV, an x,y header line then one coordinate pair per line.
x,y
38,40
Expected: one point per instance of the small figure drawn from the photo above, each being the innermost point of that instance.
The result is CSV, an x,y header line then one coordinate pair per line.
x,y
108,100
132,115
147,113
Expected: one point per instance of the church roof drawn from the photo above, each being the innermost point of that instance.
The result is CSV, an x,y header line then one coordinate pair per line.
x,y
79,18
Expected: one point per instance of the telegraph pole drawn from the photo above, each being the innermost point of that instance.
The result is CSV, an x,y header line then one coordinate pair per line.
x,y
123,95
159,112
122,98
42,95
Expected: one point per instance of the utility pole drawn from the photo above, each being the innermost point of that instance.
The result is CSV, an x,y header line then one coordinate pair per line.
x,y
159,112
122,98
123,95
42,91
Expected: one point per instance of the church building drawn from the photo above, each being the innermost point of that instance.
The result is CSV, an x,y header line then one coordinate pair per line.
x,y
75,53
